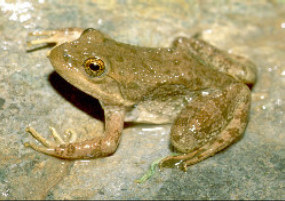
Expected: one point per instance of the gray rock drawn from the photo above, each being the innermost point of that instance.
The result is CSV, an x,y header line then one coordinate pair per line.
x,y
31,93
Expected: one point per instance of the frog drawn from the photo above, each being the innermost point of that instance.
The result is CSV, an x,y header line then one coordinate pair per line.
x,y
201,90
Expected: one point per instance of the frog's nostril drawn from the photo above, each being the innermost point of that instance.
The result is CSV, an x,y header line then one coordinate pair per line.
x,y
66,56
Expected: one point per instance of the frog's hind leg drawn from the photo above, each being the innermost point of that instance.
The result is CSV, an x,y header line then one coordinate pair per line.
x,y
200,154
236,66
209,124
58,36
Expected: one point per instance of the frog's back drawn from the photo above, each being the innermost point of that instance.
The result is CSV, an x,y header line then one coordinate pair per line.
x,y
170,66
240,68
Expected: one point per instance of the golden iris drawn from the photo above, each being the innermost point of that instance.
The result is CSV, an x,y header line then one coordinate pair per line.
x,y
94,67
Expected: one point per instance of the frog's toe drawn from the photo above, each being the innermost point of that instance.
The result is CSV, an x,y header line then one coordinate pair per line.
x,y
175,160
70,136
40,138
47,37
168,161
57,138
50,147
45,150
42,33
55,36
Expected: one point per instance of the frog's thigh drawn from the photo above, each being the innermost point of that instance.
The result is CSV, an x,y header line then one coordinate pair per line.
x,y
238,67
210,123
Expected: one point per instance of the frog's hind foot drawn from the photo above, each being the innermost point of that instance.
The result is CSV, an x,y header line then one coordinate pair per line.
x,y
58,36
209,124
50,146
208,150
177,160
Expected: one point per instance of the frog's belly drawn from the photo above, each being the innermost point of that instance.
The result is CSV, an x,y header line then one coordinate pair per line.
x,y
157,111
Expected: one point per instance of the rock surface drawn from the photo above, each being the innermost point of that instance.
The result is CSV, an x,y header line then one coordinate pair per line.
x,y
32,93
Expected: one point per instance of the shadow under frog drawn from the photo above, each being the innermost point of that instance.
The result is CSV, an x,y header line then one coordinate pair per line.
x,y
81,100
198,88
76,97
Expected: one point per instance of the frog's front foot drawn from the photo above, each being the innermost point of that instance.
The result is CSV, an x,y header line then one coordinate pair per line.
x,y
50,147
58,36
68,148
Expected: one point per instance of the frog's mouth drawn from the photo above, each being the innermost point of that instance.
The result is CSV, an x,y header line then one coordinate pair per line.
x,y
64,59
68,65
70,72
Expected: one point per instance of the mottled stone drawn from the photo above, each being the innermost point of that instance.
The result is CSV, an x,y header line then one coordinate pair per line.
x,y
31,93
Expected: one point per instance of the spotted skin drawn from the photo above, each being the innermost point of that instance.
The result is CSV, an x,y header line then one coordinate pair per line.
x,y
201,90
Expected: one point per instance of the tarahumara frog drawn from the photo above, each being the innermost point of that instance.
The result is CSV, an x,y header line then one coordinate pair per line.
x,y
198,88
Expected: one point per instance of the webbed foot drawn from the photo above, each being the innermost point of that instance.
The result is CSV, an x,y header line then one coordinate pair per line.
x,y
178,161
58,36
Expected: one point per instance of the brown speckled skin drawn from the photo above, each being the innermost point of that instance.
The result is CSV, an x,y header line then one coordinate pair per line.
x,y
215,115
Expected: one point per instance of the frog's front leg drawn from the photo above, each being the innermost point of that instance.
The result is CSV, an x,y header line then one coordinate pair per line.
x,y
209,124
58,36
97,147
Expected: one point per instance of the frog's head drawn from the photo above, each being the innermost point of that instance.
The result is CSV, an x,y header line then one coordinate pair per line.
x,y
85,63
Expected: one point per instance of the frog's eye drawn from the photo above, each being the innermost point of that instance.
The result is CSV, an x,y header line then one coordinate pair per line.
x,y
94,67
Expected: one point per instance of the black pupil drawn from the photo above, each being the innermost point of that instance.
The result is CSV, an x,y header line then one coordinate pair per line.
x,y
94,66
